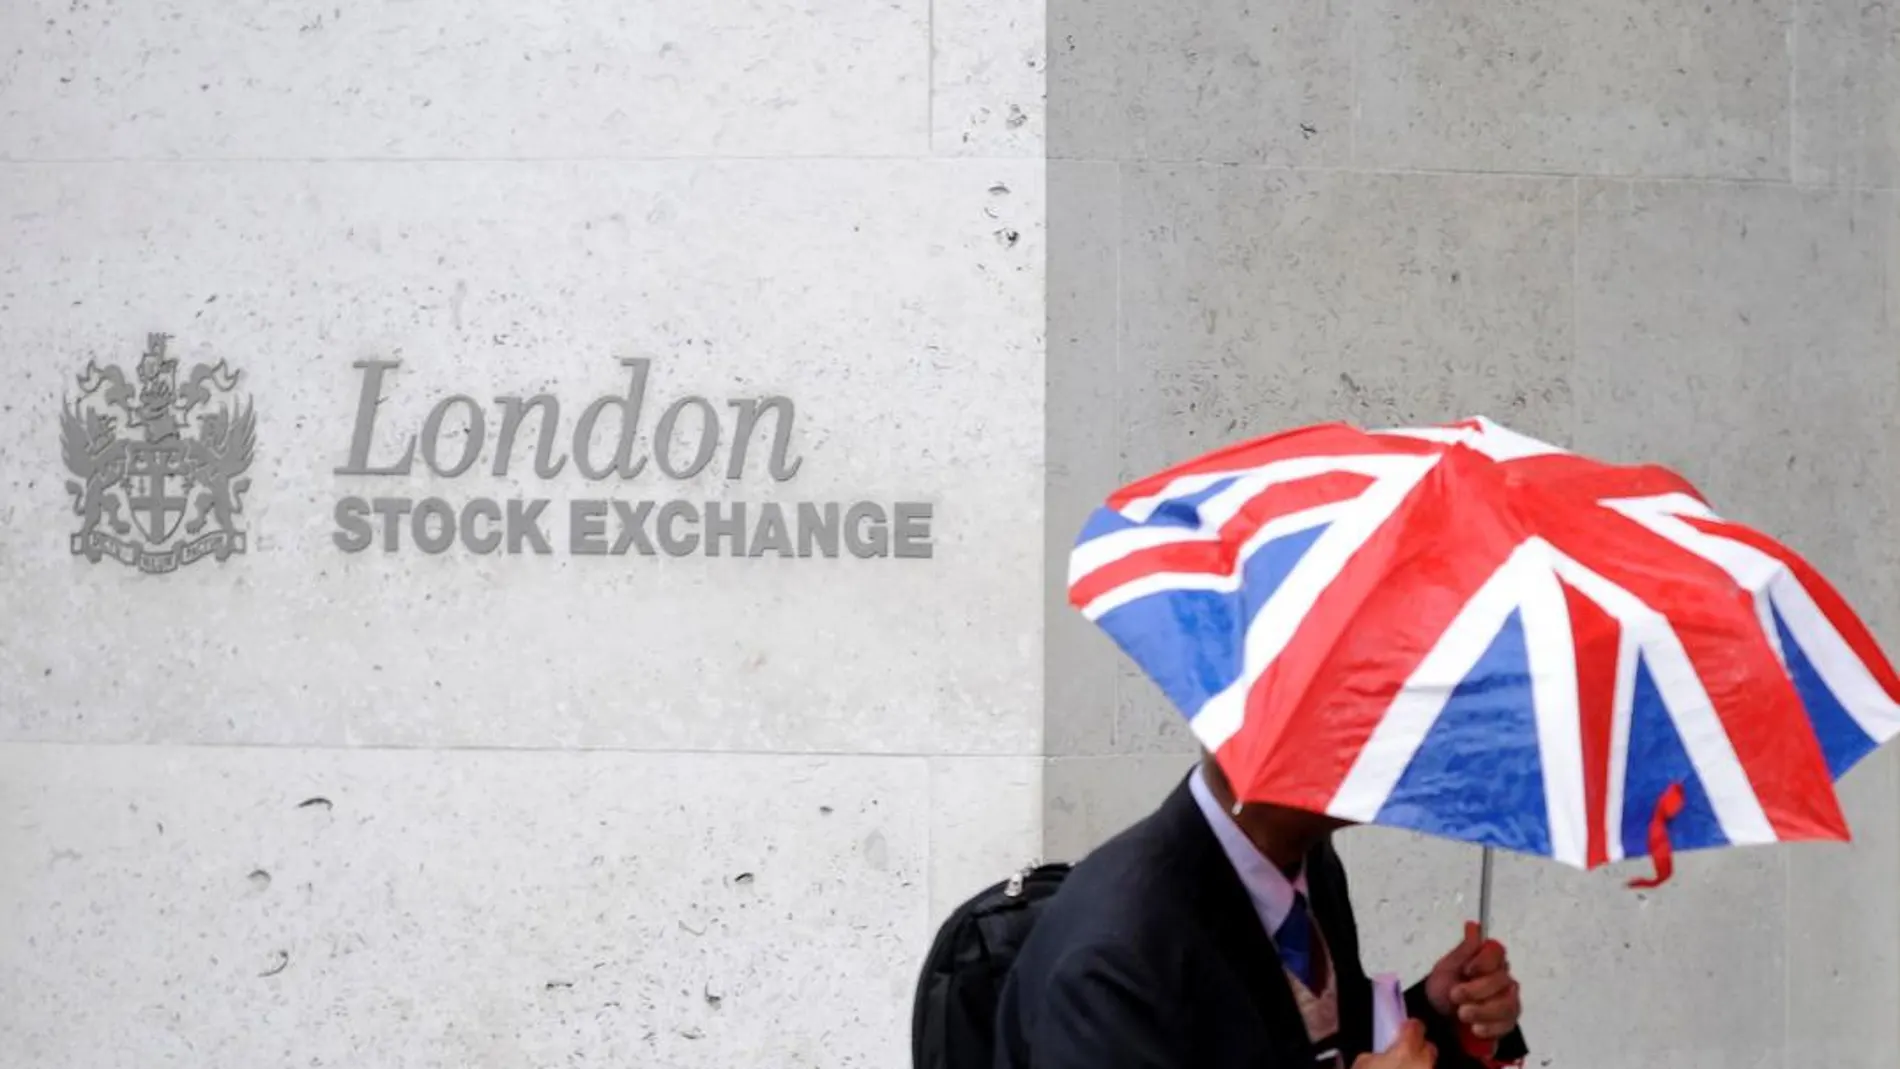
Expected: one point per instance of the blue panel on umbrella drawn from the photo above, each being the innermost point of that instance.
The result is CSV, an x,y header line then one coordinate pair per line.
x,y
1478,776
1657,759
1842,740
1190,641
1183,511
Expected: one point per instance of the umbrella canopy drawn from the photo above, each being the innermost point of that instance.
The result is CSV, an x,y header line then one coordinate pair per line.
x,y
1470,633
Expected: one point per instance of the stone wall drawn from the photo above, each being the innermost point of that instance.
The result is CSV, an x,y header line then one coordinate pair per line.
x,y
522,791
528,789
1651,231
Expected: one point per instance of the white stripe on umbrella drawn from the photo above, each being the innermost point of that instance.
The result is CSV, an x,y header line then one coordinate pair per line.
x,y
1775,587
1551,650
1225,581
1840,669
1214,513
1706,741
1221,716
1493,440
1524,584
1396,739
1622,711
1749,568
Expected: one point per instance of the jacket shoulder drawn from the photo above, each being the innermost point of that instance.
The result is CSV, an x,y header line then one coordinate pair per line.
x,y
1129,897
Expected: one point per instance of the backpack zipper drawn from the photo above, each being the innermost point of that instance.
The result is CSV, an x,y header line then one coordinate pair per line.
x,y
1014,888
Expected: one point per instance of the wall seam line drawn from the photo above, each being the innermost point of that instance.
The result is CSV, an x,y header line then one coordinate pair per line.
x,y
1794,91
552,750
1121,420
930,78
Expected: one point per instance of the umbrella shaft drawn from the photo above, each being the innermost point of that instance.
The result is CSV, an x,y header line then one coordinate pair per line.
x,y
1484,896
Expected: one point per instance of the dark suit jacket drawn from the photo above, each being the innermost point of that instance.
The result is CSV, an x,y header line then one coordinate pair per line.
x,y
1152,957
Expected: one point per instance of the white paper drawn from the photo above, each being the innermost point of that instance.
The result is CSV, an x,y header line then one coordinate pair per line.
x,y
1388,1011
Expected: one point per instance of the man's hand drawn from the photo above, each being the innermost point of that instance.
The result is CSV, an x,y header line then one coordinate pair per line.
x,y
1473,986
1408,1051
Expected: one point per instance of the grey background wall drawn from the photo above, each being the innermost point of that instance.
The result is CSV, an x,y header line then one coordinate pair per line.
x,y
694,811
1652,231
578,810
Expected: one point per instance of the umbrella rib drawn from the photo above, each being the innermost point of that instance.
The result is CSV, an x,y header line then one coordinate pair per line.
x,y
1273,625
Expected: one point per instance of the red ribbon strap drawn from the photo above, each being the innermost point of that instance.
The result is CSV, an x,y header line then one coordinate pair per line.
x,y
1667,807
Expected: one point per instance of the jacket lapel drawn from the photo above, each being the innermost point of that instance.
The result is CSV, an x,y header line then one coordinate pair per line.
x,y
1228,915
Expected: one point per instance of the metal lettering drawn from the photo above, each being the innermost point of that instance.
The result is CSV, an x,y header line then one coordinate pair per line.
x,y
818,524
856,520
648,528
708,437
524,525
471,443
771,534
365,433
392,510
731,528
624,461
439,540
749,411
633,528
513,411
587,528
478,509
674,544
353,533
910,534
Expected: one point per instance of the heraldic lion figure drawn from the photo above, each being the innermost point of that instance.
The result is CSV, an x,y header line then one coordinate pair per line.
x,y
214,463
96,454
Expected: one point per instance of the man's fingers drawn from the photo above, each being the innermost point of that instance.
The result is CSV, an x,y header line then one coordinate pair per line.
x,y
1484,988
1495,1016
1466,949
1502,1009
1474,938
1495,1029
1411,1035
1488,958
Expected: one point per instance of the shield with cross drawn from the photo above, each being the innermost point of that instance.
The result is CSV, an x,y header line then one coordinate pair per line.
x,y
156,494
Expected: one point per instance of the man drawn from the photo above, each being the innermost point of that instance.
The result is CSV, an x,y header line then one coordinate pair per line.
x,y
1214,936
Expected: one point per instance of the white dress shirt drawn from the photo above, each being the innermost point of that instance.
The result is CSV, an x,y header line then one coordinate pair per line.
x,y
1272,896
1272,893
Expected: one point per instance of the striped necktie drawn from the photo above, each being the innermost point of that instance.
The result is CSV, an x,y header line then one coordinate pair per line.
x,y
1295,940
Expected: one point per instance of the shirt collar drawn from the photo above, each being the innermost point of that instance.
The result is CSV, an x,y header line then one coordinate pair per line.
x,y
1271,892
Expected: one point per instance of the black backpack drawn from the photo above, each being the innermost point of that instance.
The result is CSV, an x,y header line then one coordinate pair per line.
x,y
953,1024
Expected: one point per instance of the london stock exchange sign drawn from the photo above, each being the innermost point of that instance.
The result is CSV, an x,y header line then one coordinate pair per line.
x,y
609,443
157,464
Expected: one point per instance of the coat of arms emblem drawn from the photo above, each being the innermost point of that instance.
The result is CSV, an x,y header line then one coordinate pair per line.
x,y
158,466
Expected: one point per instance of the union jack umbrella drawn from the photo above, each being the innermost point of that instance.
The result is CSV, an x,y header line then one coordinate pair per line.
x,y
1473,634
